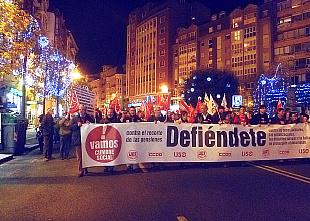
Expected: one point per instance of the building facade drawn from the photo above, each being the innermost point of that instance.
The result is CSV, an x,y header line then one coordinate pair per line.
x,y
151,34
111,84
241,42
292,39
96,87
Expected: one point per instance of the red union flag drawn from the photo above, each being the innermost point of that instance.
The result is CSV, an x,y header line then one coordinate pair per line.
x,y
184,106
73,102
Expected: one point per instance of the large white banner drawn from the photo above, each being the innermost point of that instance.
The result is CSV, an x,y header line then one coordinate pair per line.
x,y
128,143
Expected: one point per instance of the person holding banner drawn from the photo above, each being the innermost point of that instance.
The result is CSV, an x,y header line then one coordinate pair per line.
x,y
123,117
206,117
279,118
133,118
261,117
157,116
110,118
241,117
81,118
304,118
184,117
219,116
294,119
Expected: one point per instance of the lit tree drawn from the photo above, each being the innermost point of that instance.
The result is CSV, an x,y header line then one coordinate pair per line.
x,y
18,32
208,82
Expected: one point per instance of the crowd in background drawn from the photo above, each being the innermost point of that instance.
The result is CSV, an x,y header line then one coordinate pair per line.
x,y
67,128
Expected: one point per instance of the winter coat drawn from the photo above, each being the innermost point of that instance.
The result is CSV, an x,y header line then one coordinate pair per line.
x,y
64,126
47,125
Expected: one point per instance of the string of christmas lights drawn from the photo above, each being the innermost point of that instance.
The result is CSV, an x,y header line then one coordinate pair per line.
x,y
270,90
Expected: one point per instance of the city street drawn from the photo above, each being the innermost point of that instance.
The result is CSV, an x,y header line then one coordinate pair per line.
x,y
32,189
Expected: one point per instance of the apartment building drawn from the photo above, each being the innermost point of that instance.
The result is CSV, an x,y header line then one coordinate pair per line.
x,y
240,42
111,84
292,43
151,32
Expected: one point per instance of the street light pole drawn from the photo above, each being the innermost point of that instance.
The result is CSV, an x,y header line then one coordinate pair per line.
x,y
23,104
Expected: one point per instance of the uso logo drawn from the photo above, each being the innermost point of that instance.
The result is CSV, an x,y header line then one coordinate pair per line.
x,y
202,154
103,144
132,155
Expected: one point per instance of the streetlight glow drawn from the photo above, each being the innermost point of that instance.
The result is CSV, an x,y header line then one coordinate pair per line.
x,y
164,89
75,74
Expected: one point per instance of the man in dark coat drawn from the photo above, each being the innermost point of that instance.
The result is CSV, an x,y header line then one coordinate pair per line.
x,y
279,118
157,116
77,122
206,117
261,117
133,117
48,132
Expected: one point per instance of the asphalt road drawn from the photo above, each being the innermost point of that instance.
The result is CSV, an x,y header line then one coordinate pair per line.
x,y
32,189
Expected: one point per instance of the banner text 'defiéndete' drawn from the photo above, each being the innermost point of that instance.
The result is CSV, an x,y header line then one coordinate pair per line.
x,y
115,144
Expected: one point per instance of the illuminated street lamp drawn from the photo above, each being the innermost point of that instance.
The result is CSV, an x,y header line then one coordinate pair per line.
x,y
164,89
75,74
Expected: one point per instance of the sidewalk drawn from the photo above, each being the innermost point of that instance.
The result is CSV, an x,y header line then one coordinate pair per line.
x,y
31,144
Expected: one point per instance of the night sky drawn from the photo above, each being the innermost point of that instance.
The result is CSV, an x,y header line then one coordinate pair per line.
x,y
99,27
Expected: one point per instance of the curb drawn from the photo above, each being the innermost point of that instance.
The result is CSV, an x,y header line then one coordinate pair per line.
x,y
5,158
31,147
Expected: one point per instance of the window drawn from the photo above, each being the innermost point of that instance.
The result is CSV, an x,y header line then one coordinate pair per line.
x,y
250,32
284,5
265,13
162,64
227,37
237,35
236,22
163,30
210,29
219,27
161,75
210,43
162,52
192,35
286,20
296,3
297,17
162,19
306,15
162,41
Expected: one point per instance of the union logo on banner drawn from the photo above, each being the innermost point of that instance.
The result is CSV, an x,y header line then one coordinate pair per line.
x,y
73,102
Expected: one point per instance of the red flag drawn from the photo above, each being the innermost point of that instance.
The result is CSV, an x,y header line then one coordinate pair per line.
x,y
183,106
115,104
198,106
166,103
142,107
279,105
73,102
149,110
191,114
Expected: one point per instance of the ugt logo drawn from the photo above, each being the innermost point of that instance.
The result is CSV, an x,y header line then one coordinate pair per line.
x,y
132,155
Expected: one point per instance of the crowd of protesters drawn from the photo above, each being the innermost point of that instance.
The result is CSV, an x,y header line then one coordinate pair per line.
x,y
68,127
